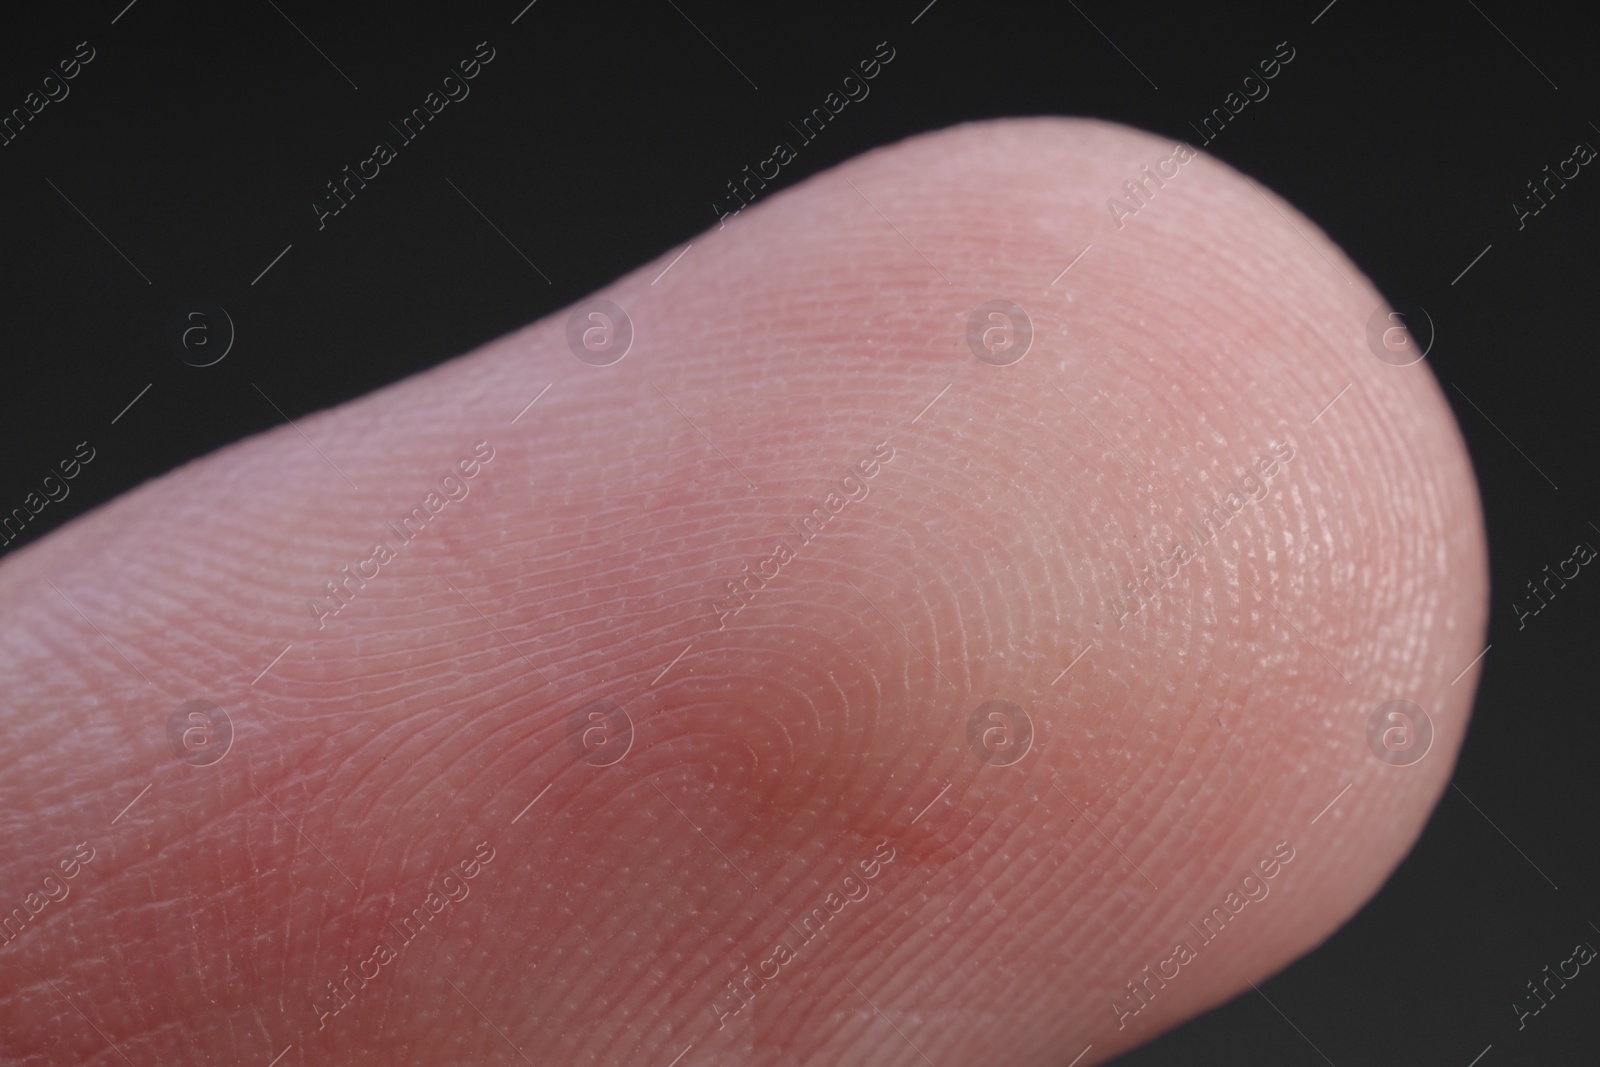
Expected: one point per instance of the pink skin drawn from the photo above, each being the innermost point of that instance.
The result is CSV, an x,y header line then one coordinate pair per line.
x,y
827,718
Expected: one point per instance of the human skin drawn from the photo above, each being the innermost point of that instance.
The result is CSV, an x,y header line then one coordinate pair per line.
x,y
772,754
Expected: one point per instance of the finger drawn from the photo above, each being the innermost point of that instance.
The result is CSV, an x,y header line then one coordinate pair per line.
x,y
816,680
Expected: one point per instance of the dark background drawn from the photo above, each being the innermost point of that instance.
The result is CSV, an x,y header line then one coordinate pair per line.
x,y
198,137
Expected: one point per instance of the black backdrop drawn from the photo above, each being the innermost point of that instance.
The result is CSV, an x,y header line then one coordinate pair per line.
x,y
188,151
